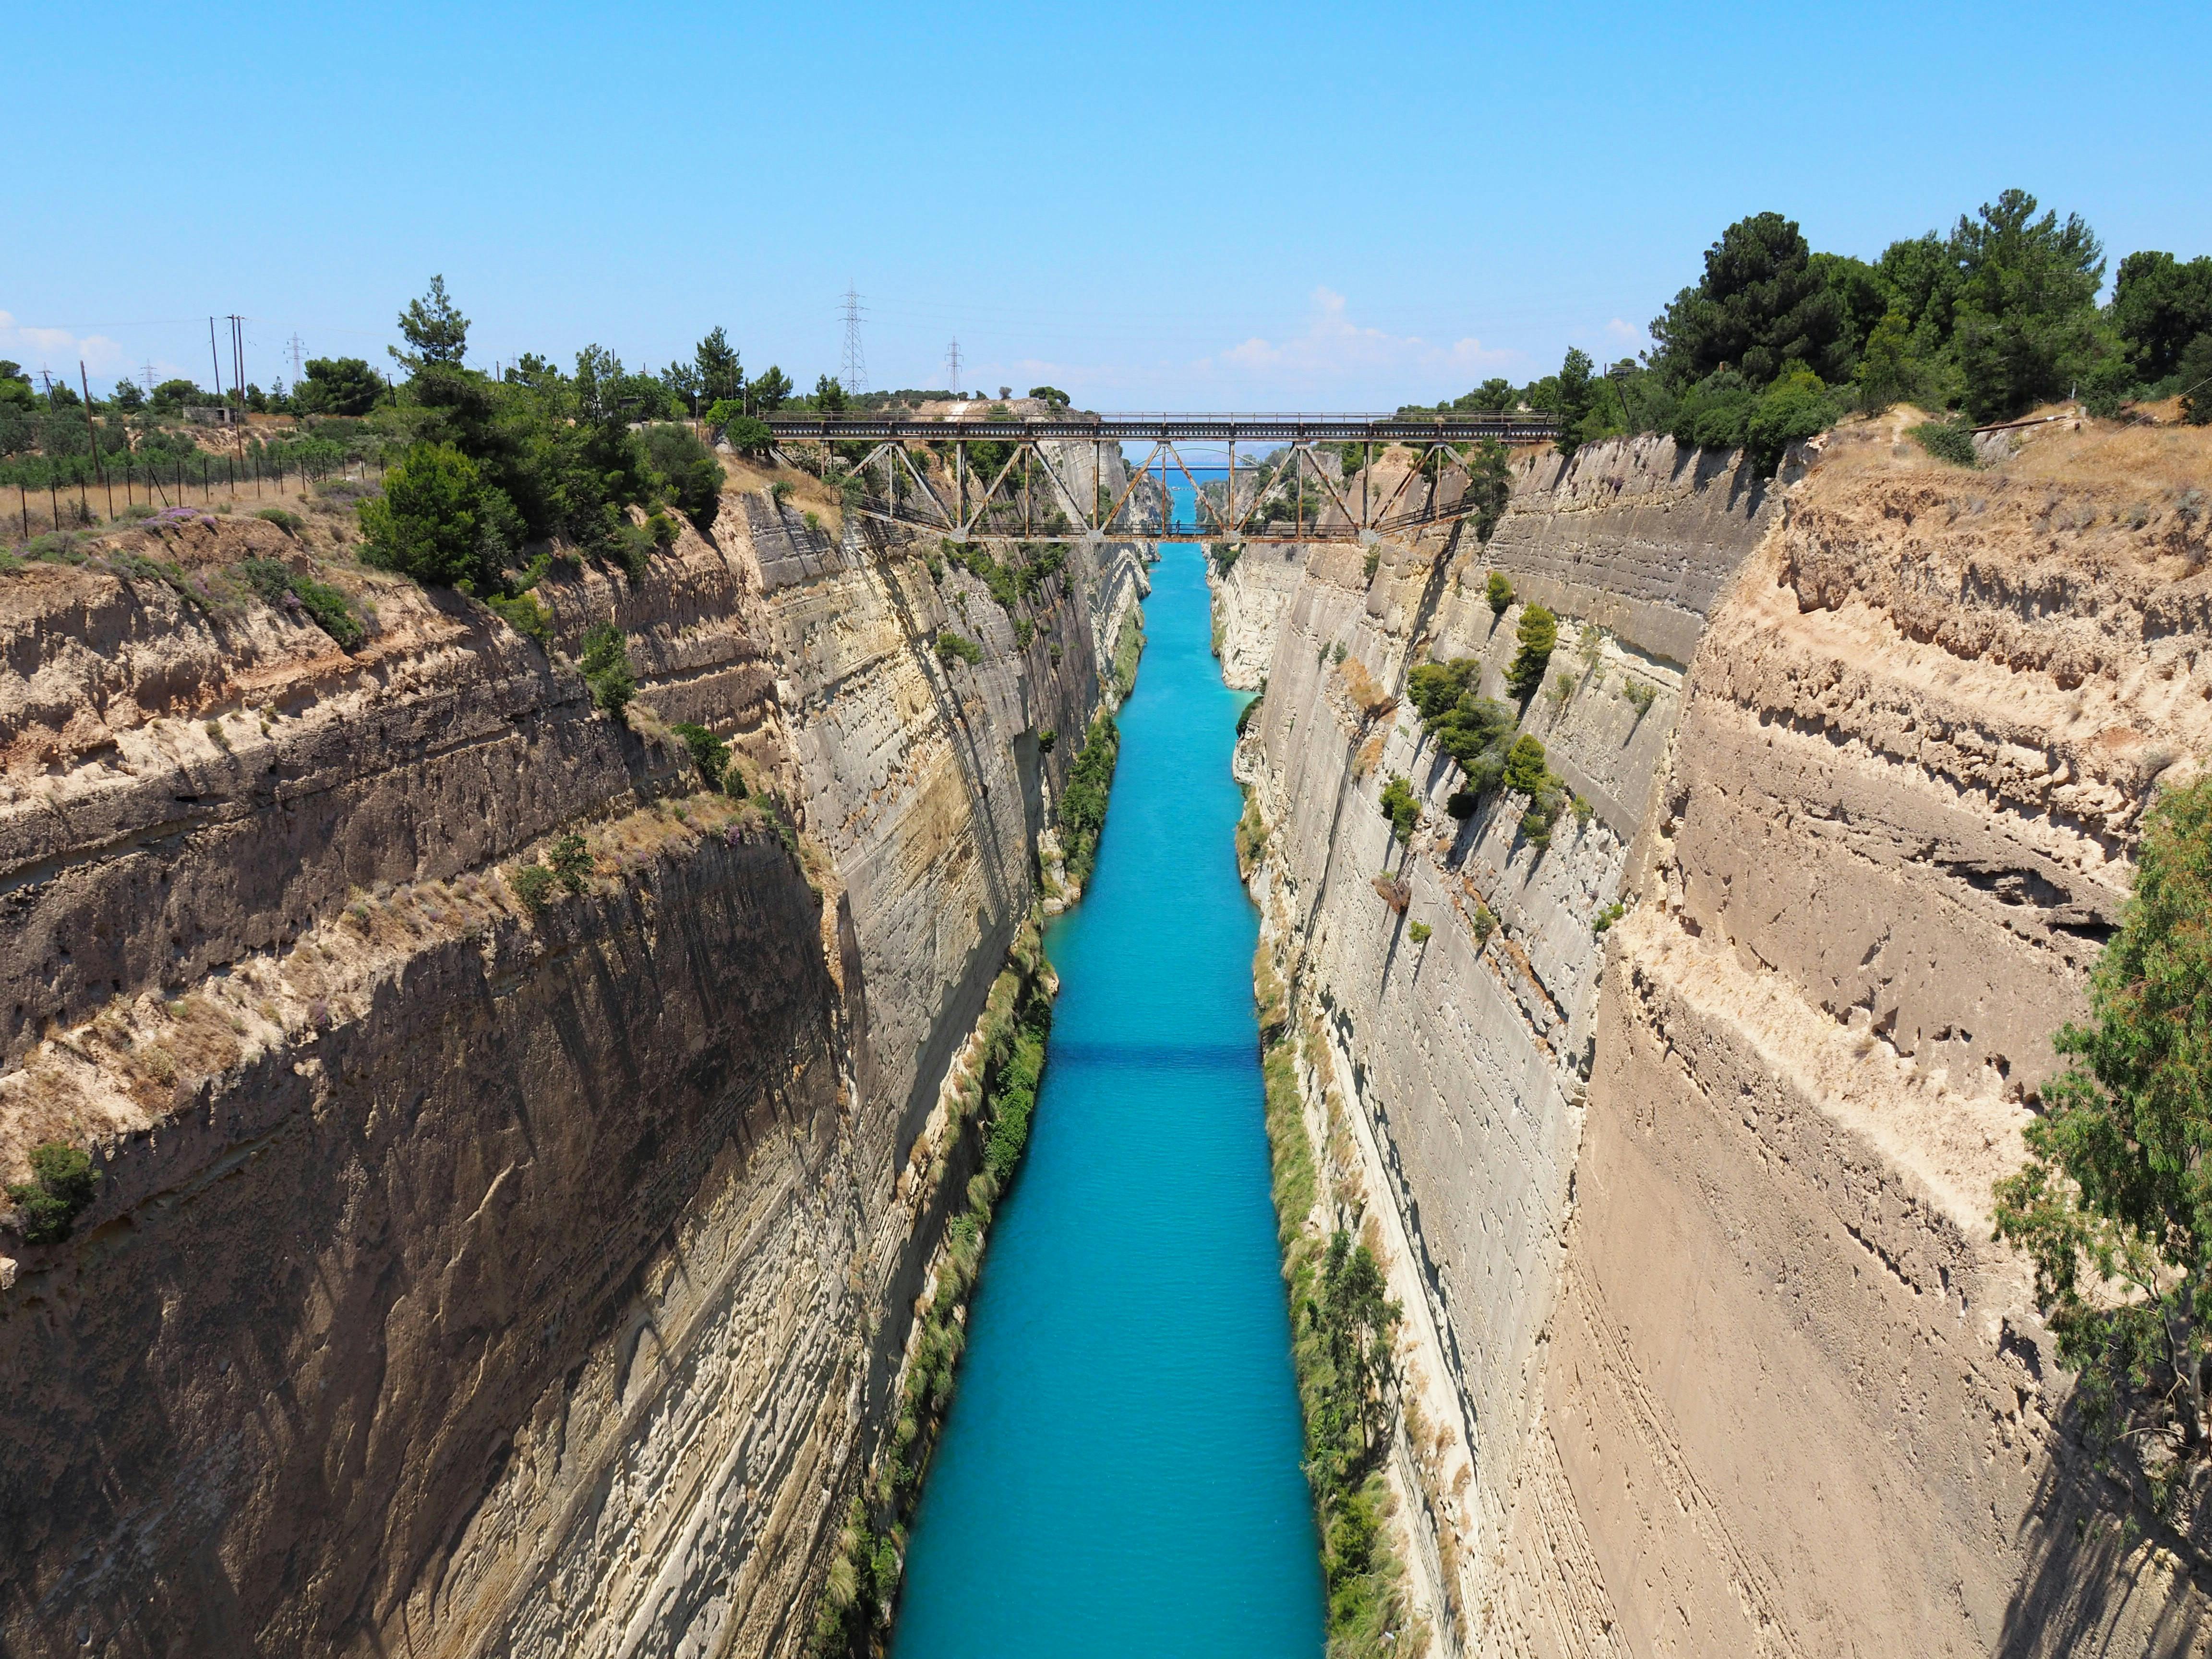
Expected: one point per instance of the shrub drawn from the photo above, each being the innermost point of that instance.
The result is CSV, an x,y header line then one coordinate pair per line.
x,y
607,669
1083,801
569,862
1525,770
438,521
1490,489
1607,917
1500,592
709,753
1946,440
1046,739
1794,407
1538,633
1419,932
1401,805
2114,1204
523,613
323,605
290,523
60,1187
953,647
533,884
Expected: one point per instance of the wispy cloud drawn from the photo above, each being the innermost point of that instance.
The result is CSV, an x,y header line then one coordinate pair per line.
x,y
1334,353
61,351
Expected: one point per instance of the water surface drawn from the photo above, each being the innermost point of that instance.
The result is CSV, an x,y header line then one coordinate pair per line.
x,y
1119,1474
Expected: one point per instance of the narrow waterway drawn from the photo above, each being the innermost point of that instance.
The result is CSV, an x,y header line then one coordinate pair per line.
x,y
1119,1474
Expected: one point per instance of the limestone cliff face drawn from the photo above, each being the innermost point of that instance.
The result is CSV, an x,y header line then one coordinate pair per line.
x,y
1711,1349
464,1281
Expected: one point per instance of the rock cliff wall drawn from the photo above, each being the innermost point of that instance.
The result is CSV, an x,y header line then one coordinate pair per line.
x,y
1711,1351
463,1280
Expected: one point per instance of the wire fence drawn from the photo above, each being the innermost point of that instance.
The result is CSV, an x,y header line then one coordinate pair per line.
x,y
68,492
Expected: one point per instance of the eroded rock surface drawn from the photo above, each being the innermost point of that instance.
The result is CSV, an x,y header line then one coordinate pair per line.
x,y
463,1280
1712,1350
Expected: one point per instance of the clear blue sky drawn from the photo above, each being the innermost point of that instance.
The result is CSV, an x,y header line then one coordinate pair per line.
x,y
1291,205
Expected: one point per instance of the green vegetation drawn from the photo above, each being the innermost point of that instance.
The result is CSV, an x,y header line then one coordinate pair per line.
x,y
290,523
1490,487
570,862
861,1590
1473,730
438,522
1946,440
1401,805
953,647
1605,919
1499,591
1128,650
1083,801
321,604
1538,633
525,616
1528,772
1419,932
709,753
2114,1204
606,667
60,1187
1777,341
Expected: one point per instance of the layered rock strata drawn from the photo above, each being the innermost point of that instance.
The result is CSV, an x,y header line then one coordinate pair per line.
x,y
1711,1349
463,1279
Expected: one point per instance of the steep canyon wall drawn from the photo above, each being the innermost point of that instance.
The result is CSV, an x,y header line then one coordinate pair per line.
x,y
1709,1349
463,1280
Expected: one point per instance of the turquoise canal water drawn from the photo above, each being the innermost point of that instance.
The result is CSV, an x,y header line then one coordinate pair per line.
x,y
1119,1472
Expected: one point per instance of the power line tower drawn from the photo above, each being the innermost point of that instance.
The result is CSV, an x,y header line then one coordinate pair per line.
x,y
952,367
147,371
856,361
297,347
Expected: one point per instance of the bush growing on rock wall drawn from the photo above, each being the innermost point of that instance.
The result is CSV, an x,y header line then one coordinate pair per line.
x,y
953,647
1538,633
606,667
570,862
60,1187
438,522
2114,1204
1499,591
1946,440
709,753
1473,730
1401,805
1490,489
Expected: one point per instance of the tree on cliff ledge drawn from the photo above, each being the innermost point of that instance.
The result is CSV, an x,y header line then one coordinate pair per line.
x,y
2114,1205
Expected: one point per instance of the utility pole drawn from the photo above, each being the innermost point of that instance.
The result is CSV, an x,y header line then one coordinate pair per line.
x,y
296,349
149,371
856,361
952,365
238,376
217,362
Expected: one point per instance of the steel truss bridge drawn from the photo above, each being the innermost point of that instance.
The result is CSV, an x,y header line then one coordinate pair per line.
x,y
995,483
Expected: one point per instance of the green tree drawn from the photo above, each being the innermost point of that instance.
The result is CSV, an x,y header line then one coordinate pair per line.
x,y
1862,300
60,1187
687,470
129,397
2026,323
2114,1204
433,328
1760,303
1715,413
1050,394
720,375
829,395
2195,374
1576,394
339,386
770,391
1490,489
1497,591
438,521
1537,633
1890,370
2159,306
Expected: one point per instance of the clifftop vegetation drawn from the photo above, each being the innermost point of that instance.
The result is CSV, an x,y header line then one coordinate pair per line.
x,y
1776,342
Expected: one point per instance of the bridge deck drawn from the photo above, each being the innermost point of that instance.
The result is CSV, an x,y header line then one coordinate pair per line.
x,y
1167,429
